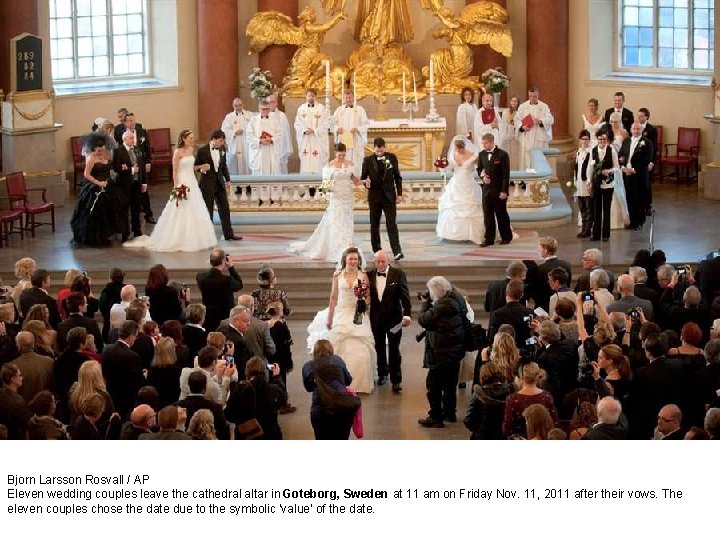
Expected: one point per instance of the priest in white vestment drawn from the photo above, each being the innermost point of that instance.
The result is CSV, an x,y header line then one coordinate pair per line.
x,y
311,130
286,146
489,120
350,126
264,136
235,128
533,125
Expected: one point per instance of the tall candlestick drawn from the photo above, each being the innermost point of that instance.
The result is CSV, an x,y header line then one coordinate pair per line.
x,y
415,89
432,74
404,95
327,73
354,90
342,84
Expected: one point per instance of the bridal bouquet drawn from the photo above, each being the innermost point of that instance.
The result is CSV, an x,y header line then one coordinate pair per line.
x,y
494,80
360,290
179,193
261,85
327,185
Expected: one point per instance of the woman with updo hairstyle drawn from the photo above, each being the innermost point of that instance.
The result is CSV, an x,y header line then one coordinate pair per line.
x,y
24,269
530,376
618,375
266,293
689,353
538,422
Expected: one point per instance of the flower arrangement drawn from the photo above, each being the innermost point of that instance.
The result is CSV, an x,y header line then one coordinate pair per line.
x,y
179,193
387,162
361,291
494,80
441,162
327,185
261,84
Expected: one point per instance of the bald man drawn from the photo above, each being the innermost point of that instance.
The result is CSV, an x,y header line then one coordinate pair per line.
x,y
142,419
628,301
669,423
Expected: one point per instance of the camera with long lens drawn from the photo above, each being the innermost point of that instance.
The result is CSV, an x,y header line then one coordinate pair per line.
x,y
423,295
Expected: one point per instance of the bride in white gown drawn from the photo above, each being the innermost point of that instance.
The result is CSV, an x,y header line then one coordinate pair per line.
x,y
352,342
460,215
335,231
184,225
619,213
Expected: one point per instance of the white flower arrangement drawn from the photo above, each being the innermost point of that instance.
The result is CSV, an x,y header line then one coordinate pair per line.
x,y
327,185
261,85
494,80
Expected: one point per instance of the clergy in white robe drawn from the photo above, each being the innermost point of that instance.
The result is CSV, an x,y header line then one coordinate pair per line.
x,y
235,128
264,136
465,119
286,146
533,125
489,120
350,125
311,130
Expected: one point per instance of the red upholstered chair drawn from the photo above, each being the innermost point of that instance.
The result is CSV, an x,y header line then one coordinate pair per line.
x,y
686,154
7,224
18,195
76,144
160,148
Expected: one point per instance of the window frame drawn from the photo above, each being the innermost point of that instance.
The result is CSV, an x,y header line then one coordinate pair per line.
x,y
619,41
107,80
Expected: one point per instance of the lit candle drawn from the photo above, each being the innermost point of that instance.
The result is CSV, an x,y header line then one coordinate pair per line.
x,y
432,74
404,84
415,90
354,90
327,74
342,84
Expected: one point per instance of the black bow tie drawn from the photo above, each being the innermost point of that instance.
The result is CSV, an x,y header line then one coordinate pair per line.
x,y
349,106
311,105
383,274
264,117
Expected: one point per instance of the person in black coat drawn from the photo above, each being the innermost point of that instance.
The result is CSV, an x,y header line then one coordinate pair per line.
x,y
37,294
442,316
211,162
76,306
123,370
110,296
559,358
196,400
626,115
143,149
649,132
217,288
548,249
193,334
389,306
14,411
164,300
486,408
66,369
495,295
494,171
128,162
381,176
612,424
512,313
635,157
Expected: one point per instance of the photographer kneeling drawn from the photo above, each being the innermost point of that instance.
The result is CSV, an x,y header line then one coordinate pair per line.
x,y
442,316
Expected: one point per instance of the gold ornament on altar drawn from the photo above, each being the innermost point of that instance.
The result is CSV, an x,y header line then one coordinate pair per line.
x,y
307,67
482,23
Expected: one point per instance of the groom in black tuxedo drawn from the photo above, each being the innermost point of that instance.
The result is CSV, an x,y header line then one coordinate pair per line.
x,y
494,172
211,162
389,306
626,115
381,176
635,157
129,164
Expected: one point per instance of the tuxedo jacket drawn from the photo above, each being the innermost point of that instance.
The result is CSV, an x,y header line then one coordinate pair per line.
x,y
121,157
217,291
641,158
385,181
122,369
627,117
34,295
73,321
389,310
496,165
650,132
221,174
542,289
141,138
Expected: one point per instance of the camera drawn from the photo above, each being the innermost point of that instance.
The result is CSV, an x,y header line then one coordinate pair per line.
x,y
634,313
528,319
681,270
420,336
531,341
185,287
423,295
230,361
588,296
225,349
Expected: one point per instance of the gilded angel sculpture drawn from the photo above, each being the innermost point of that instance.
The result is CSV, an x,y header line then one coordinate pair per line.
x,y
307,67
482,23
378,21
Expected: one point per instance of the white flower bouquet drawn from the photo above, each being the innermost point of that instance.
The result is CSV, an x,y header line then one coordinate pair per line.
x,y
261,84
494,80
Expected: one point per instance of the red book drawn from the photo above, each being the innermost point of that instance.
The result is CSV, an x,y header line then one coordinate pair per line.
x,y
528,122
265,135
488,115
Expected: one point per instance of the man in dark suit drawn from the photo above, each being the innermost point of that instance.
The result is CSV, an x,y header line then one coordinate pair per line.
x,y
548,249
708,276
495,295
170,419
194,335
211,162
641,290
635,157
628,300
217,288
592,259
626,115
119,128
612,424
389,307
142,142
381,176
512,313
234,331
77,304
14,411
122,369
37,294
128,163
494,171
650,133
196,400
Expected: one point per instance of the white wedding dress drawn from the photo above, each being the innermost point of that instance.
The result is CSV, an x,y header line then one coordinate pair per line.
x,y
335,231
619,214
352,342
184,225
460,215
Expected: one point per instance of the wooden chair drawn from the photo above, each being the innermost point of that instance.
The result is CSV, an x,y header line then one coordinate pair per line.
x,y
160,148
658,153
18,195
687,150
7,223
76,143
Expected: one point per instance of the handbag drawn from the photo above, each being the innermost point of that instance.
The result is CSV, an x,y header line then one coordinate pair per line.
x,y
357,425
334,402
251,428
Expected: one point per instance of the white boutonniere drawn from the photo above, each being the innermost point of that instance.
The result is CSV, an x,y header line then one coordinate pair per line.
x,y
641,144
222,153
142,140
388,163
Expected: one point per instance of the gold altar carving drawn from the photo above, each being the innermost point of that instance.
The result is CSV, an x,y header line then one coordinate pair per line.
x,y
416,145
307,67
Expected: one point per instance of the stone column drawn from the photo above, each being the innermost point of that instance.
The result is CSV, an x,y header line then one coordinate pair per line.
x,y
276,58
217,24
15,18
547,57
485,58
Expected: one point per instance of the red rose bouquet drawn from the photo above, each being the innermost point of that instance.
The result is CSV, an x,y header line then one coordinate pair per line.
x,y
360,290
179,193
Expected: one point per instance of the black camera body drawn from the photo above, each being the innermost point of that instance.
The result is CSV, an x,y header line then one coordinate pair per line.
x,y
634,313
588,296
423,295
420,336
